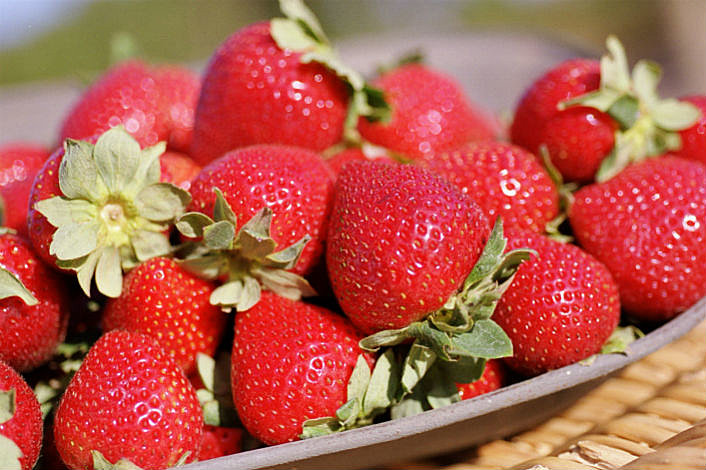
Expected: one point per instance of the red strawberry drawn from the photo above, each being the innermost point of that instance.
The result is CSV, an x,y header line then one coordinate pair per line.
x,y
503,179
21,422
295,183
291,362
129,400
178,168
219,441
153,103
352,154
539,102
162,300
430,114
693,139
648,226
494,377
255,92
30,333
106,212
560,308
401,241
19,163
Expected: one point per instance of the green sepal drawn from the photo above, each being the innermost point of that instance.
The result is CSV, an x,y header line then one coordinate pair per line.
x,y
12,286
418,361
410,405
101,463
10,454
216,398
620,340
7,405
162,202
239,294
441,390
192,224
486,340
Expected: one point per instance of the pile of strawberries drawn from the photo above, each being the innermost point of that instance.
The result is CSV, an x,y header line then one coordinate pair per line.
x,y
282,250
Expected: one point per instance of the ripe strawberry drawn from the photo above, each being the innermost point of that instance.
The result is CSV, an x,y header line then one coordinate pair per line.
x,y
291,362
494,377
178,169
20,419
561,307
153,104
295,183
32,321
430,114
101,209
402,241
505,180
648,226
255,92
164,301
128,400
693,139
219,441
352,154
19,163
539,102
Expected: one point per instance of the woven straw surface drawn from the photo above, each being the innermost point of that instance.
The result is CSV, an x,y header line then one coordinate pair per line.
x,y
650,417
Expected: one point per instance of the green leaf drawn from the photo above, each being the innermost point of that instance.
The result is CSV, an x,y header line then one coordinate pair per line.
x,y
219,236
78,174
289,35
255,246
384,338
418,361
222,210
206,367
410,405
601,100
109,273
74,240
192,224
162,202
148,244
11,286
61,211
620,339
486,340
465,370
297,11
488,260
645,77
10,454
7,405
615,72
85,271
675,115
117,157
348,413
288,257
625,110
319,427
359,379
250,296
441,390
227,294
383,385
285,283
207,267
101,463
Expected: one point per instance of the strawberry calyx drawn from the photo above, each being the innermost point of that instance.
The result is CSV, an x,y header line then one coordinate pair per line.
x,y
618,342
10,453
12,286
369,393
566,198
101,463
113,212
300,31
246,259
216,398
648,125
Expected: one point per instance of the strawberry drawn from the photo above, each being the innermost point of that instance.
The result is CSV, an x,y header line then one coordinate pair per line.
x,y
33,318
504,179
162,300
128,400
493,378
352,154
430,114
295,183
178,169
401,242
291,362
20,421
219,441
19,163
98,207
152,103
693,139
648,226
562,305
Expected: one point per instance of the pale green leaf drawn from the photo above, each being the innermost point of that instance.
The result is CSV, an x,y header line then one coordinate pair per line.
x,y
675,115
250,295
260,223
615,72
192,224
383,385
620,339
601,100
284,283
489,258
486,340
288,257
645,77
359,379
162,202
418,361
61,211
10,454
206,367
78,174
464,370
148,244
297,11
254,246
74,240
348,413
101,463
148,170
11,286
384,338
625,111
7,405
289,35
211,413
109,273
219,236
207,267
410,405
222,210
86,270
441,390
117,157
319,427
227,294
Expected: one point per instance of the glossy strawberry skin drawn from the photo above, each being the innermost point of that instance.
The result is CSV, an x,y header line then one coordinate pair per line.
x,y
164,301
25,428
561,307
178,168
30,334
256,93
430,113
693,139
505,180
291,362
19,163
494,376
648,226
401,241
294,182
129,399
539,102
219,441
179,90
